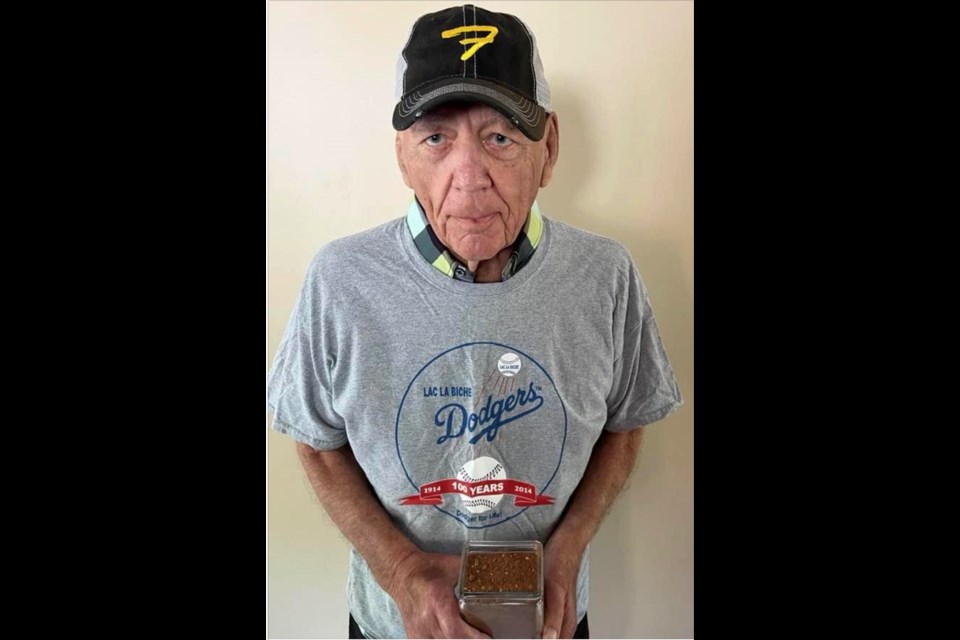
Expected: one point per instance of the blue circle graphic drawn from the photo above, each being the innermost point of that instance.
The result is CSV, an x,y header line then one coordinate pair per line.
x,y
416,487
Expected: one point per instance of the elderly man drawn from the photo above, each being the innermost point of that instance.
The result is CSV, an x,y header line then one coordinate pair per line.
x,y
471,339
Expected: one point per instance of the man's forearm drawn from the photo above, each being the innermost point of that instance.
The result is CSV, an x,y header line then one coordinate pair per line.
x,y
420,583
610,465
344,492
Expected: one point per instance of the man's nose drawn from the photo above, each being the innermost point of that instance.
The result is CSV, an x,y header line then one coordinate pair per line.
x,y
470,170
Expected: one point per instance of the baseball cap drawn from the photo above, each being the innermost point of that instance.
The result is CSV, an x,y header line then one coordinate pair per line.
x,y
467,53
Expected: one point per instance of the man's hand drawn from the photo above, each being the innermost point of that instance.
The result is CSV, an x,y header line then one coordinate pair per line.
x,y
422,584
611,461
561,565
423,588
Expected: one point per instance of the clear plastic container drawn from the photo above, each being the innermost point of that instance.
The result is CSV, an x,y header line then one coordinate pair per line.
x,y
502,613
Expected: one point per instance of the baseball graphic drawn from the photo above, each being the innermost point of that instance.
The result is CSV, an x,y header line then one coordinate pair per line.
x,y
509,364
478,470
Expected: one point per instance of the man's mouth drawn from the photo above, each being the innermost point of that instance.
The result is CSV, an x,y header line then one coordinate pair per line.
x,y
476,219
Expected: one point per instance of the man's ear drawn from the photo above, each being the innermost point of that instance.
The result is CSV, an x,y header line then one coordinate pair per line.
x,y
552,136
400,163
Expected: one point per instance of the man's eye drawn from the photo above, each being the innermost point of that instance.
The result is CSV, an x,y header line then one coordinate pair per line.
x,y
435,139
501,140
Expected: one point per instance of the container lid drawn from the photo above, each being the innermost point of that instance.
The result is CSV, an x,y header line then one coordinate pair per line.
x,y
501,571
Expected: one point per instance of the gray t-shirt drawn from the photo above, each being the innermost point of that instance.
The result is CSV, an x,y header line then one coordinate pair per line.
x,y
472,408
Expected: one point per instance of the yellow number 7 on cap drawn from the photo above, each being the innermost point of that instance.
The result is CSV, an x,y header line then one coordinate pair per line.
x,y
476,42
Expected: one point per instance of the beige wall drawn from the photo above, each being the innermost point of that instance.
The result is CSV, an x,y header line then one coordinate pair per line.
x,y
622,81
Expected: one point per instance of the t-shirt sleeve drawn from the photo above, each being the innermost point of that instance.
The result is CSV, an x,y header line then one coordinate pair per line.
x,y
298,384
644,386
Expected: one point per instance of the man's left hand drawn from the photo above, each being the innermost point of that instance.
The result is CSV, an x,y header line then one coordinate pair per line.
x,y
612,459
561,566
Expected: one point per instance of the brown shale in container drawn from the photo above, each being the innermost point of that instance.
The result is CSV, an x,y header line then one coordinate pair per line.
x,y
501,571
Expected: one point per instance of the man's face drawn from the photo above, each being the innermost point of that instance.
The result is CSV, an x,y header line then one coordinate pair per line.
x,y
475,174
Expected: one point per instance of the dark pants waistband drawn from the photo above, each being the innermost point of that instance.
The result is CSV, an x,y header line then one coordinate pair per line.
x,y
583,629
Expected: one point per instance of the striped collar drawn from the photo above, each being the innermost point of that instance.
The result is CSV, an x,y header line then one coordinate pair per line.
x,y
440,257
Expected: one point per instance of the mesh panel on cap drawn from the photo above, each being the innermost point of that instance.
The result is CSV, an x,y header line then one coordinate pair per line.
x,y
402,62
543,89
398,85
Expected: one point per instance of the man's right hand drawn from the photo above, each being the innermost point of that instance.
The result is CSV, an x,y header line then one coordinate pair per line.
x,y
422,584
423,588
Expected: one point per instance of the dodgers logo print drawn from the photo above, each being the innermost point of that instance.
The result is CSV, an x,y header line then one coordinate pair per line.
x,y
480,434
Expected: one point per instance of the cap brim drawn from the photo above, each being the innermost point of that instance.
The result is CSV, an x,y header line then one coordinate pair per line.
x,y
525,114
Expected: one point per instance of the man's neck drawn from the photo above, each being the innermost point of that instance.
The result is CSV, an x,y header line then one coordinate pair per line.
x,y
489,270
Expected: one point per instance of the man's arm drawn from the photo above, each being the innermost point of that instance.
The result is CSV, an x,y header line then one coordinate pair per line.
x,y
610,464
420,583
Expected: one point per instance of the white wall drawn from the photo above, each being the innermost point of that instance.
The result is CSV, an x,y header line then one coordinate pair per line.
x,y
621,74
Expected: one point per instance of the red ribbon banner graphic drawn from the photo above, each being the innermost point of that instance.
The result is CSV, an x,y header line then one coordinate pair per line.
x,y
524,492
